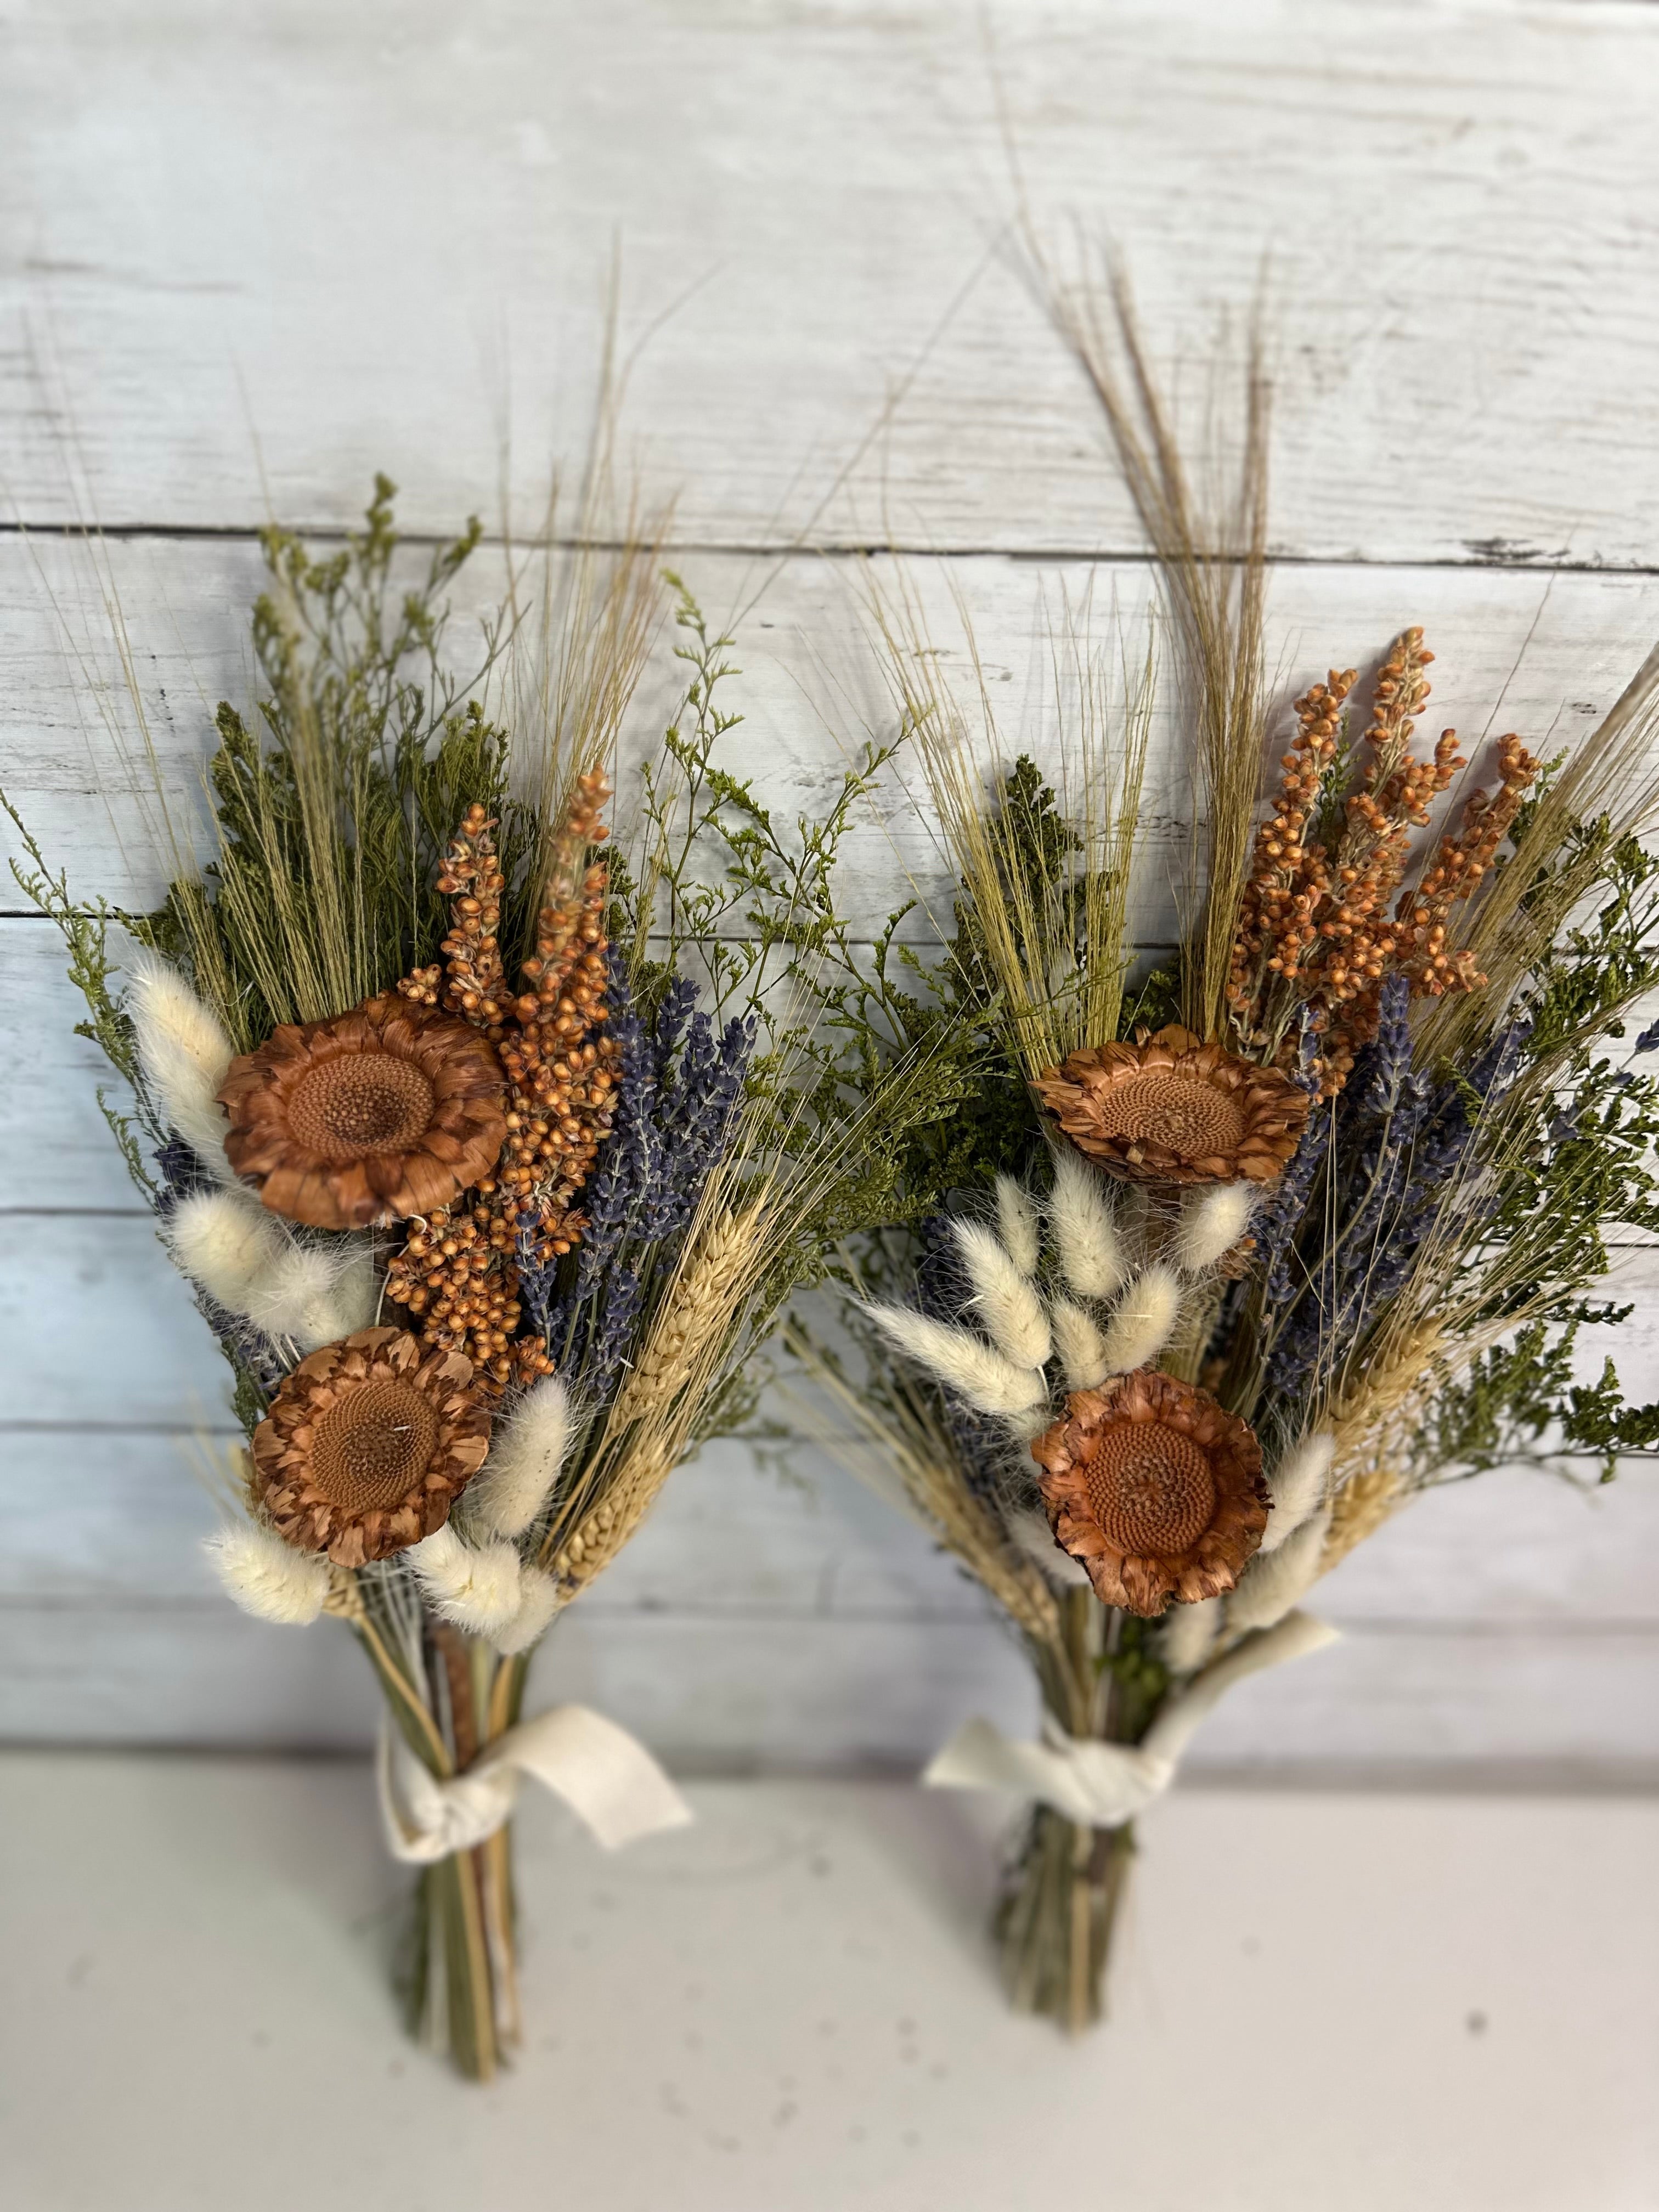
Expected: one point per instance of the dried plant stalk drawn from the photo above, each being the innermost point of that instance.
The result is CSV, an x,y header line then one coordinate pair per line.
x,y
1213,570
912,1450
1058,949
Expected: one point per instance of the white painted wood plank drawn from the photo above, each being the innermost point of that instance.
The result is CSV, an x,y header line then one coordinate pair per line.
x,y
351,233
792,2003
96,1329
733,1693
50,1078
1545,657
93,1519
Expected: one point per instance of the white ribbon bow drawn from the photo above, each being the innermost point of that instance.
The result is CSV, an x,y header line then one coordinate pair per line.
x,y
1101,1786
606,1777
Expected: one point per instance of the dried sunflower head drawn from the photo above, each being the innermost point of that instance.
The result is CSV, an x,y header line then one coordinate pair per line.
x,y
390,1111
1154,1489
1174,1109
368,1444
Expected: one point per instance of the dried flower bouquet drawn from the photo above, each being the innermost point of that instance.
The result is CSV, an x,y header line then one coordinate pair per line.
x,y
1246,1252
489,1153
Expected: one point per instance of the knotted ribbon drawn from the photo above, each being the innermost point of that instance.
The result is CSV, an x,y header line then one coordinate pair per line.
x,y
606,1777
1101,1786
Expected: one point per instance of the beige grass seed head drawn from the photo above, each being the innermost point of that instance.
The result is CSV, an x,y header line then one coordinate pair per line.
x,y
526,1456
1092,1258
1275,1581
185,1053
1017,1221
478,1588
987,1379
1212,1222
539,1600
1145,1319
267,1577
1005,1297
1298,1485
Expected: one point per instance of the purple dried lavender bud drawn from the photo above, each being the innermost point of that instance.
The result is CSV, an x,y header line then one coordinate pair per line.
x,y
611,1337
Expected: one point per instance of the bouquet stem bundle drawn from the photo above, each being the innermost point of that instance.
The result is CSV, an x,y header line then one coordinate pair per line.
x,y
491,1148
1245,1252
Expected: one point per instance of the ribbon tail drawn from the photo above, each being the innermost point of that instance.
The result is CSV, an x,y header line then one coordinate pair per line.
x,y
1098,1785
605,1776
426,1818
1293,1637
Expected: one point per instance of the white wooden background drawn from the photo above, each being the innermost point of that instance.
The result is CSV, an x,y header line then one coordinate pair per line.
x,y
251,253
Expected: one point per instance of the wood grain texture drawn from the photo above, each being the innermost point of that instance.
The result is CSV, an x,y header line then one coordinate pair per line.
x,y
373,236
114,1517
269,248
740,1694
1544,656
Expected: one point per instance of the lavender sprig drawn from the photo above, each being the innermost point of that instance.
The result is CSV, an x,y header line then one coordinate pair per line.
x,y
679,1092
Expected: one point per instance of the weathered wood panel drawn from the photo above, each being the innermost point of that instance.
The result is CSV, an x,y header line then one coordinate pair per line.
x,y
1544,656
99,1329
114,1518
739,1693
271,248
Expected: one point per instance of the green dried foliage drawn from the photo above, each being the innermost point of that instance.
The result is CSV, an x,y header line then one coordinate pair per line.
x,y
859,1057
334,807
85,931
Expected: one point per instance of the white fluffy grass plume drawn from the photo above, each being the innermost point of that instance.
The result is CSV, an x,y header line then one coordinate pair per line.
x,y
1189,1632
1017,1222
538,1601
477,1586
1144,1320
314,1294
267,1577
525,1458
1212,1223
250,1264
1081,1345
986,1378
224,1242
1297,1485
1091,1254
1004,1298
184,1055
1274,1582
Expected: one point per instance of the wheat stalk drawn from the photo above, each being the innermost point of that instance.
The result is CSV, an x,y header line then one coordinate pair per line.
x,y
1213,569
700,1317
910,1450
1372,1420
1058,995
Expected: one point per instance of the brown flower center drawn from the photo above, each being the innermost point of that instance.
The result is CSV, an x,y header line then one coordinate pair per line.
x,y
372,1446
1150,1489
1182,1112
357,1104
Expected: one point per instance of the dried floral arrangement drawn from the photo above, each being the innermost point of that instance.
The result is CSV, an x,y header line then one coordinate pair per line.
x,y
1246,1251
491,1146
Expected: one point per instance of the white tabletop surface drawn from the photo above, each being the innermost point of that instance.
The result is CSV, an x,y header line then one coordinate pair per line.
x,y
1330,2001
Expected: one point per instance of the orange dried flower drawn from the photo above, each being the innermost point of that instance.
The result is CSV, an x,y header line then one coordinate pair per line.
x,y
1170,1109
1322,921
368,1444
1154,1489
372,1117
1453,874
457,1272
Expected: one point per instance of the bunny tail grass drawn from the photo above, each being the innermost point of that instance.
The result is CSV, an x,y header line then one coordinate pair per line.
x,y
1091,1254
1004,1296
986,1378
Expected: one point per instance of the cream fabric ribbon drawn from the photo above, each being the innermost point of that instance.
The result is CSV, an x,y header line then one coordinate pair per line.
x,y
606,1777
1101,1786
